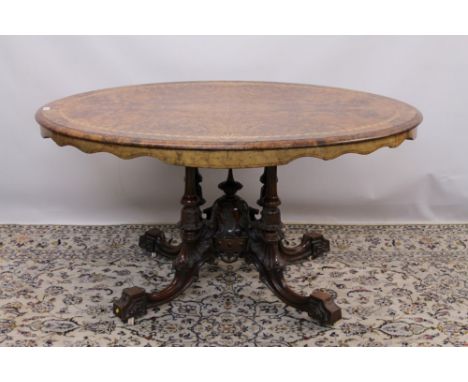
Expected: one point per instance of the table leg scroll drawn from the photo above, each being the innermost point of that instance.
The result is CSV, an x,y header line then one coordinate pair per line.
x,y
135,301
189,256
313,245
319,305
155,241
270,255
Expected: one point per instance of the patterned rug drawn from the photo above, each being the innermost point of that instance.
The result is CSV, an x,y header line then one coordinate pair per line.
x,y
397,286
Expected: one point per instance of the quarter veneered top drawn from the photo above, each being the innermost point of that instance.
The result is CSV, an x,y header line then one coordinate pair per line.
x,y
227,116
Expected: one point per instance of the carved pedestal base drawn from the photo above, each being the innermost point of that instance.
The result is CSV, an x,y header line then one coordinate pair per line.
x,y
231,230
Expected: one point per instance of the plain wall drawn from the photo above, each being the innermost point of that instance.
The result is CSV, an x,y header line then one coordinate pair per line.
x,y
421,181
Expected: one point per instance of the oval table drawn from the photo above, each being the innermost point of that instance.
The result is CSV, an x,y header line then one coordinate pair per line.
x,y
229,125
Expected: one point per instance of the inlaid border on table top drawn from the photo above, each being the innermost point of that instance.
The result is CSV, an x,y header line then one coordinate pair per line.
x,y
170,128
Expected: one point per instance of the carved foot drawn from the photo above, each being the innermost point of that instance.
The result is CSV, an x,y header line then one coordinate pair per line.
x,y
324,300
155,241
313,245
133,303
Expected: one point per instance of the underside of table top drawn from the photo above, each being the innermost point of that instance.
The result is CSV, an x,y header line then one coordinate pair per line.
x,y
228,124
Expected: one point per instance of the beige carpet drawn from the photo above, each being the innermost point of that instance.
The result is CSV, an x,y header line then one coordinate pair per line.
x,y
397,286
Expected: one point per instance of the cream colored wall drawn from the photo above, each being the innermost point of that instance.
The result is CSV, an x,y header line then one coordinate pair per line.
x,y
425,180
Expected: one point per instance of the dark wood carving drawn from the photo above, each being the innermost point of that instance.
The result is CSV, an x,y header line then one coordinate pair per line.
x,y
229,218
154,241
194,250
231,230
271,257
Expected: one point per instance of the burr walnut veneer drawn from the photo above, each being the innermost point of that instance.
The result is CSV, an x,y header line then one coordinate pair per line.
x,y
229,125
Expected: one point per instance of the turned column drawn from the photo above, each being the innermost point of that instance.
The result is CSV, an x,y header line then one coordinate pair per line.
x,y
191,221
270,221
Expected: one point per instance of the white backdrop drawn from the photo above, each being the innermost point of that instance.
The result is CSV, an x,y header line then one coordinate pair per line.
x,y
425,180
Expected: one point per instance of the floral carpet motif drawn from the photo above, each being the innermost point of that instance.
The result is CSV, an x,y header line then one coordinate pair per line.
x,y
397,286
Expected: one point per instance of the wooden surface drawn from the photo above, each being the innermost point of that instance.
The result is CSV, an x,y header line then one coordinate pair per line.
x,y
209,121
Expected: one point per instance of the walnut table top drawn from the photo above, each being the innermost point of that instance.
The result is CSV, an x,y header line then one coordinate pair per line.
x,y
228,124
